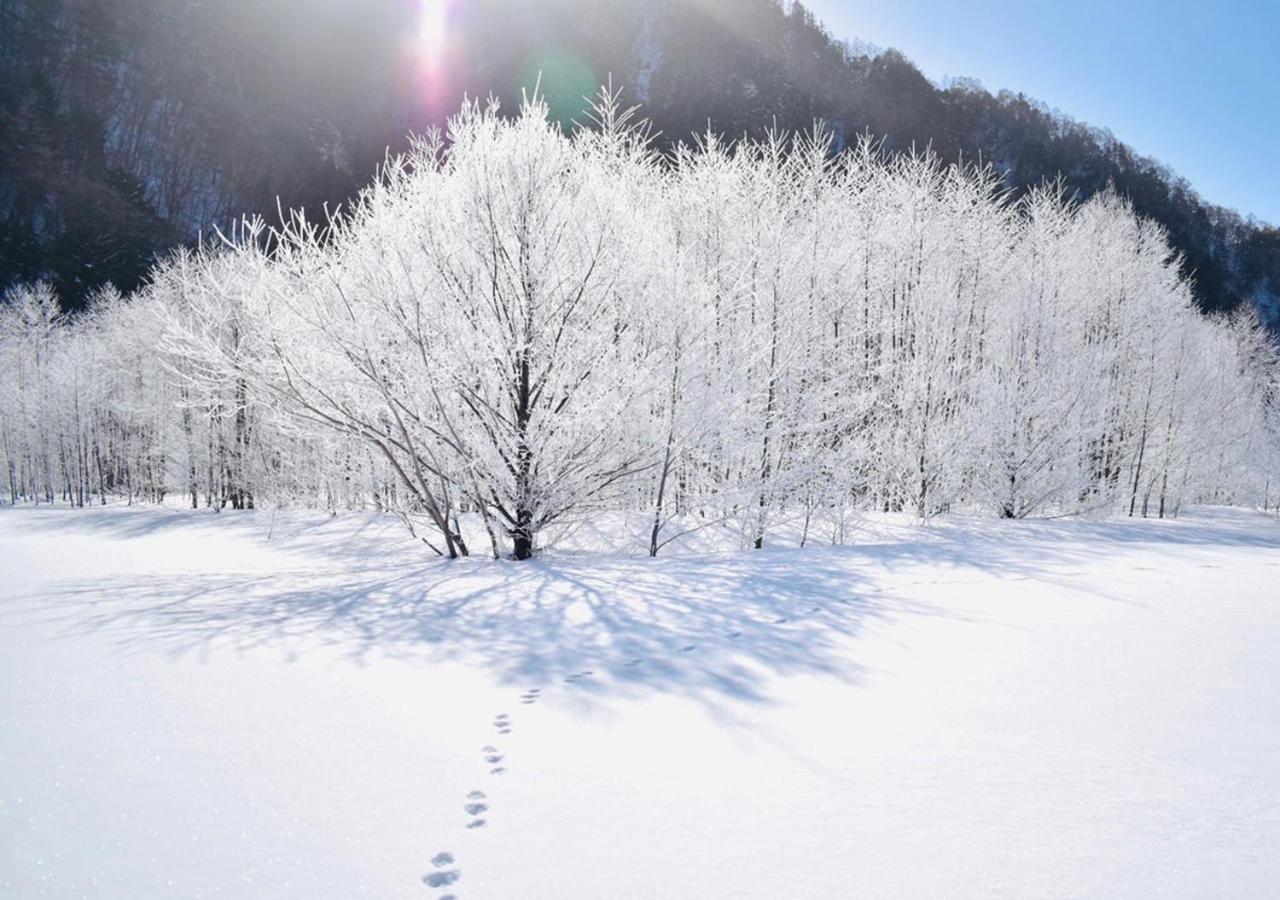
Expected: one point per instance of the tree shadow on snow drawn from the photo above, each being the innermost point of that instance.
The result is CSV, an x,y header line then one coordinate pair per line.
x,y
710,628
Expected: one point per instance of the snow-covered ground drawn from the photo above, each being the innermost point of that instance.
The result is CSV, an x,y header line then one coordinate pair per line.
x,y
1037,709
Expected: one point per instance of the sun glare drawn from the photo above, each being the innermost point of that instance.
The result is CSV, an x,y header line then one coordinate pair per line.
x,y
432,27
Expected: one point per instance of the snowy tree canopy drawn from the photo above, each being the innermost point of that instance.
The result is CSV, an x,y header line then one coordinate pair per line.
x,y
516,328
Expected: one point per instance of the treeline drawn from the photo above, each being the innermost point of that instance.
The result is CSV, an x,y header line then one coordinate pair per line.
x,y
127,128
513,329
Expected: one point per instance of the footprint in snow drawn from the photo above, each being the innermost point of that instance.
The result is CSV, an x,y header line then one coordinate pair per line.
x,y
633,662
687,647
502,723
578,676
443,876
530,696
780,621
497,770
440,879
734,635
475,808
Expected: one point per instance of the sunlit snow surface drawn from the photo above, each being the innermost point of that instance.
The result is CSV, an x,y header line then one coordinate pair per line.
x,y
966,709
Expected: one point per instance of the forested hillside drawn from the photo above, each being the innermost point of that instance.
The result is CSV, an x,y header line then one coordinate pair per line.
x,y
127,128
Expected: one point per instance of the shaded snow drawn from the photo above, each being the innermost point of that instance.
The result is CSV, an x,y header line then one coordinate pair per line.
x,y
967,709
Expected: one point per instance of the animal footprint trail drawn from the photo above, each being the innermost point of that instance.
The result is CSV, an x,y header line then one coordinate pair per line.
x,y
477,805
444,873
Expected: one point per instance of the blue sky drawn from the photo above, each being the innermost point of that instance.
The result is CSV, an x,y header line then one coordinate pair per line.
x,y
1194,84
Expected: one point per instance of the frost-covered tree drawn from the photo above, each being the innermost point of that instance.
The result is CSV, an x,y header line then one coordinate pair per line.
x,y
518,328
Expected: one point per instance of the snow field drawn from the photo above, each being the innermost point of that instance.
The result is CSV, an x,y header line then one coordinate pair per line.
x,y
966,709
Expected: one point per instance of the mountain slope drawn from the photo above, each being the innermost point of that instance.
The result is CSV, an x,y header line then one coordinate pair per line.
x,y
125,129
